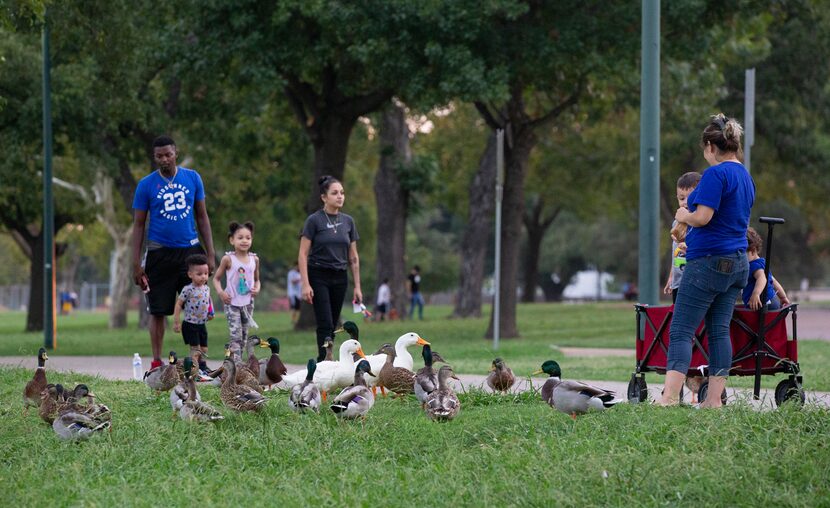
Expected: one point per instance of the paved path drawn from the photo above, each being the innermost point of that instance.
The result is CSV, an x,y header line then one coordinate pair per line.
x,y
120,368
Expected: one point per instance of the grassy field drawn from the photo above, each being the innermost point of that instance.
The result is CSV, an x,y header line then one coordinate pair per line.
x,y
500,451
544,328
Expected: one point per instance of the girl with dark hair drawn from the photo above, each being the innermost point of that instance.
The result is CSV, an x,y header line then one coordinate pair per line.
x,y
328,247
241,268
716,263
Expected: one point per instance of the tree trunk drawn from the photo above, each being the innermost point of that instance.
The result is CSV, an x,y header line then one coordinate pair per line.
x,y
121,281
536,227
392,204
524,139
331,144
477,235
34,315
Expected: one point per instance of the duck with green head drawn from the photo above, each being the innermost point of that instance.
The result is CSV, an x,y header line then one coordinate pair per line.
x,y
572,397
356,400
271,370
306,395
36,385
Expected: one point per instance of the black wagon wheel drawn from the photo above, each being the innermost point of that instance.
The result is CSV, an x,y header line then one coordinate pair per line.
x,y
789,389
704,391
637,389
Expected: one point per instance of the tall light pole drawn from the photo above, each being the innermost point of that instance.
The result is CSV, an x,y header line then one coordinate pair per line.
x,y
497,273
648,267
48,205
749,117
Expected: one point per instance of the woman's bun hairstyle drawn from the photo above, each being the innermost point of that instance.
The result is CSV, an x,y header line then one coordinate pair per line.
x,y
724,133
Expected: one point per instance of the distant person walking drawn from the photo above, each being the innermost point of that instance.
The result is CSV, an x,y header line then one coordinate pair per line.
x,y
415,298
384,300
170,204
328,247
716,262
295,292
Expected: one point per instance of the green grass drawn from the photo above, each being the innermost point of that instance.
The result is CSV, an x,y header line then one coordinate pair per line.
x,y
544,328
500,451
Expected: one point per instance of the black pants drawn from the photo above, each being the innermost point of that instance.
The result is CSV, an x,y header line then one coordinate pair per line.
x,y
329,288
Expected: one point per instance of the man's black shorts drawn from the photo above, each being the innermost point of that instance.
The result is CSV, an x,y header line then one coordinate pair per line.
x,y
295,302
194,335
167,274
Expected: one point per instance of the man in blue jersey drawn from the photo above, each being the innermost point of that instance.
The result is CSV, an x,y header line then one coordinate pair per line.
x,y
170,202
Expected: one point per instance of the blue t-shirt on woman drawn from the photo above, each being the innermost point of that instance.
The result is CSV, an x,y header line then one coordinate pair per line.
x,y
170,206
728,189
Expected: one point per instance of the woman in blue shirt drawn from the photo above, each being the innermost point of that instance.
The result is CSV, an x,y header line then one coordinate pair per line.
x,y
716,264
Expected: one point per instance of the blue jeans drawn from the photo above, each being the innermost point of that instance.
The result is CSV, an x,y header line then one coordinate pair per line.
x,y
418,300
708,290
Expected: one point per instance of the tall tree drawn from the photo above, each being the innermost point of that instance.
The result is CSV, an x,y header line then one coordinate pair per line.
x,y
392,200
21,197
337,61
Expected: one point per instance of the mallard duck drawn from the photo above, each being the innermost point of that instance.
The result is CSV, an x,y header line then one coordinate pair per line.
x,y
395,379
572,397
244,376
73,425
306,395
253,362
500,378
693,383
95,410
238,397
33,389
330,375
328,345
164,377
357,399
181,392
402,356
50,398
72,402
271,370
426,380
192,408
443,404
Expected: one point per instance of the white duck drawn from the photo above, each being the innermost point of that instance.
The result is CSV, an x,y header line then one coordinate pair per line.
x,y
402,356
330,375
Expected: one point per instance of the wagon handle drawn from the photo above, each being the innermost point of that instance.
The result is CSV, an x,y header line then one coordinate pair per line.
x,y
761,342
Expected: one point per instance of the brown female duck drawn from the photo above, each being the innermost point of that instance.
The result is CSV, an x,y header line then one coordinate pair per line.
x,y
33,389
238,397
395,379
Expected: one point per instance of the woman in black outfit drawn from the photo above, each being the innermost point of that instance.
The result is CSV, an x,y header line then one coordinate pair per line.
x,y
328,246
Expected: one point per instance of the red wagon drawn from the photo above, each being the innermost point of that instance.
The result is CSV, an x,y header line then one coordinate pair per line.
x,y
756,350
760,345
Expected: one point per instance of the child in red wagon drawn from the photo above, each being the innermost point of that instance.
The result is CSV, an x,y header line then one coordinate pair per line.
x,y
774,297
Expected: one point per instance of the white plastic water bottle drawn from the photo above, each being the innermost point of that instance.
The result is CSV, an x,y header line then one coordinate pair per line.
x,y
138,371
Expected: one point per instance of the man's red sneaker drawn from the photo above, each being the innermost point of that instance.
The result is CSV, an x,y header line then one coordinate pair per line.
x,y
154,364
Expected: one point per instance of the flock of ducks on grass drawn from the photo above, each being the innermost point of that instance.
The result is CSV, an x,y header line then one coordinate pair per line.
x,y
75,415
